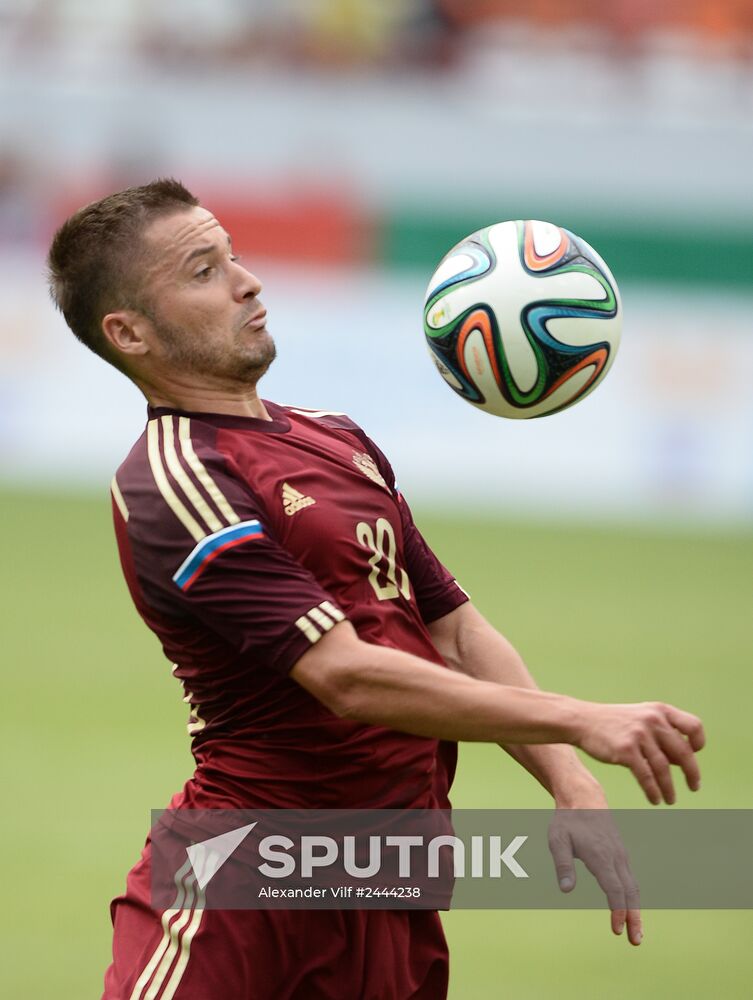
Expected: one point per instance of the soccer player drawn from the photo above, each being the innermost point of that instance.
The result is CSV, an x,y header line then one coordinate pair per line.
x,y
328,658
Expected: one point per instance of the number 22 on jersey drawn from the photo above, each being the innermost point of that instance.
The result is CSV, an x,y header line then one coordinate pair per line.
x,y
388,580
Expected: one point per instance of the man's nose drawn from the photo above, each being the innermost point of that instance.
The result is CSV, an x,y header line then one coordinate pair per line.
x,y
247,284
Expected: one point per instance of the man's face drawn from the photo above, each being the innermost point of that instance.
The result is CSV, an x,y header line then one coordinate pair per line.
x,y
202,304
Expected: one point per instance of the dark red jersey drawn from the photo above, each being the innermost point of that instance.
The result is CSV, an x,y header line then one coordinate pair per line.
x,y
243,542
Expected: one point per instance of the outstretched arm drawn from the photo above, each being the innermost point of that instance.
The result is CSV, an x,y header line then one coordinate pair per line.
x,y
391,688
388,687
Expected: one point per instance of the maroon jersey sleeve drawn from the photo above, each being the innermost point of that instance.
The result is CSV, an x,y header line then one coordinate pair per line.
x,y
201,549
437,591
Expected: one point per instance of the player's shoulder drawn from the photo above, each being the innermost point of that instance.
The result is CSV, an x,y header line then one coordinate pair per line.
x,y
176,478
166,448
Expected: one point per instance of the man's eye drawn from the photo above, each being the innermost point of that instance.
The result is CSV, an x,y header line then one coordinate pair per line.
x,y
205,272
235,257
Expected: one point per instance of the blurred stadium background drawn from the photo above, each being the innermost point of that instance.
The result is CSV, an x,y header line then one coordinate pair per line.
x,y
346,145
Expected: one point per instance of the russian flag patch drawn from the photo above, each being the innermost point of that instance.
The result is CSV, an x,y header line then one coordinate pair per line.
x,y
211,546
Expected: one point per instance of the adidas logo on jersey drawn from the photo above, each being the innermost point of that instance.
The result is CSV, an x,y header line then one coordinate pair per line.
x,y
293,501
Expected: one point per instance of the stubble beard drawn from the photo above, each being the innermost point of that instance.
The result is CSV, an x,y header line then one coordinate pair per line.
x,y
242,363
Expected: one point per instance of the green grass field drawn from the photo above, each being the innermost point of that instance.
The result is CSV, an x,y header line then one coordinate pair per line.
x,y
94,737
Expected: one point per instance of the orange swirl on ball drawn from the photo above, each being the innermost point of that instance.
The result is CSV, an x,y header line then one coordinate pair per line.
x,y
533,260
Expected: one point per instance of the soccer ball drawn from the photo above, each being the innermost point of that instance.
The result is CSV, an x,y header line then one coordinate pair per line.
x,y
522,319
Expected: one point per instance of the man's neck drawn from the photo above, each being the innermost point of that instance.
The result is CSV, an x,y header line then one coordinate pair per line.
x,y
243,402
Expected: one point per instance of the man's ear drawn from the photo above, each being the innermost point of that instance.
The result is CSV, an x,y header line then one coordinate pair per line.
x,y
124,331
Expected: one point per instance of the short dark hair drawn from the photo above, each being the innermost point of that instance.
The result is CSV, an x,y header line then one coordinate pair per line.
x,y
92,256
